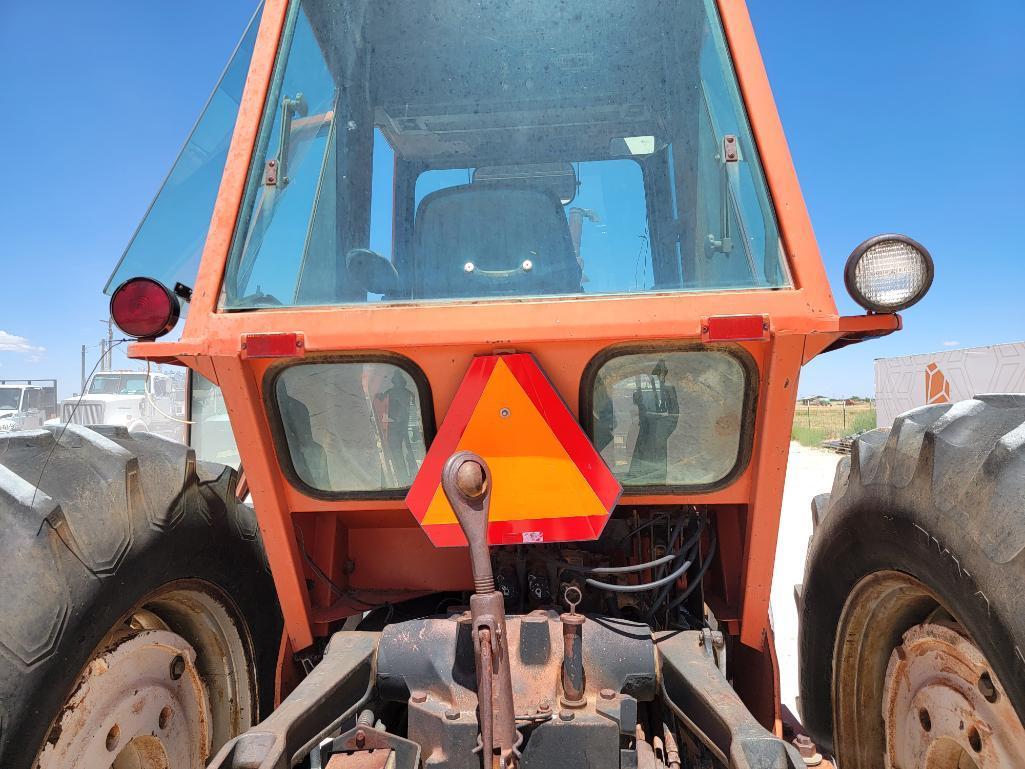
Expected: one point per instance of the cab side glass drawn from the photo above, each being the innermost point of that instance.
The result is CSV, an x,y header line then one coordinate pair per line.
x,y
210,433
169,241
351,428
670,418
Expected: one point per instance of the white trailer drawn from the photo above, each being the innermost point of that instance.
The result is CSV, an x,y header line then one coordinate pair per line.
x,y
952,375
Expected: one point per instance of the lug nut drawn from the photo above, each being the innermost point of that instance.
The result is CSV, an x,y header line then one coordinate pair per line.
x,y
607,694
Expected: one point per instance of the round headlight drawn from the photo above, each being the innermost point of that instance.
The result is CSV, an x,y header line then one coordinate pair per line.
x,y
888,273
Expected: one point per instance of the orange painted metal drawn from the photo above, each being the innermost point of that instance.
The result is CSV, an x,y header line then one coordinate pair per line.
x,y
386,551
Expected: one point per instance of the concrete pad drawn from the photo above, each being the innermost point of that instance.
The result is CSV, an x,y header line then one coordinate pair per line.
x,y
809,472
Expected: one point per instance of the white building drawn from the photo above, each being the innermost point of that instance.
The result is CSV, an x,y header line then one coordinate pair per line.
x,y
952,375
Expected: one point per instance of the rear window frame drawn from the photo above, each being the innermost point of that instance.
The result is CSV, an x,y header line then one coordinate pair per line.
x,y
749,408
280,439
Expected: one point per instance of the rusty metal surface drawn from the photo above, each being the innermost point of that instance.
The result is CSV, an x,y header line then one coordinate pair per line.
x,y
363,759
701,697
466,481
140,700
364,747
572,655
943,706
426,664
335,689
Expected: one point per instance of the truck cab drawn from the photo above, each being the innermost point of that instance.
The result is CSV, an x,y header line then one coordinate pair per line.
x,y
136,400
26,405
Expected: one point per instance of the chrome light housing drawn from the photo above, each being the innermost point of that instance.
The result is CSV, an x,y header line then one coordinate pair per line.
x,y
888,273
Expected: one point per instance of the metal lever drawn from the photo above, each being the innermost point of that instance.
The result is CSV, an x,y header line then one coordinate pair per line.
x,y
466,481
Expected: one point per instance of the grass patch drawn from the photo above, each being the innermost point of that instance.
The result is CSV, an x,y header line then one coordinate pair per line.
x,y
814,424
808,436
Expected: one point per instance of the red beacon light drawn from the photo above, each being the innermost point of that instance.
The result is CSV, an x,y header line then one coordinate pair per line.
x,y
143,308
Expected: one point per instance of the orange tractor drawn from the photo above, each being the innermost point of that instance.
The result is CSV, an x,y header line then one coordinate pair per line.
x,y
495,318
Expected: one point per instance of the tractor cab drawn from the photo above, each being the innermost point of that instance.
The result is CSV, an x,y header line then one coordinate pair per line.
x,y
504,306
423,153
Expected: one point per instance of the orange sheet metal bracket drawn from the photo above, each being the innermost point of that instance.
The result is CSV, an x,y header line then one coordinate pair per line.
x,y
245,410
775,418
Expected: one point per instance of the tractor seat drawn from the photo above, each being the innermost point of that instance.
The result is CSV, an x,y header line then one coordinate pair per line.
x,y
481,241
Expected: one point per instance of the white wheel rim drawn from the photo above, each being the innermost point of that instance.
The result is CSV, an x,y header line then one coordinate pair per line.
x,y
166,689
140,704
944,707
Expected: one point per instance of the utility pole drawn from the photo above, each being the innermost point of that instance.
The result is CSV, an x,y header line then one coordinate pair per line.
x,y
106,351
82,390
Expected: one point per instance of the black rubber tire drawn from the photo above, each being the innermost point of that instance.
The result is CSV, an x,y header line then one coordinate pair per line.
x,y
115,517
940,497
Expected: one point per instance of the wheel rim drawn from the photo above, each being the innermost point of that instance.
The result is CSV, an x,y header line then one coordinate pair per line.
x,y
167,687
944,707
898,653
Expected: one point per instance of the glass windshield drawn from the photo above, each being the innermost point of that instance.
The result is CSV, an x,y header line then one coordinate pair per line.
x,y
10,398
118,384
169,241
419,152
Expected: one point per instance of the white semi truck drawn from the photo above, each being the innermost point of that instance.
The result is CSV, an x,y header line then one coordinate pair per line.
x,y
26,404
137,400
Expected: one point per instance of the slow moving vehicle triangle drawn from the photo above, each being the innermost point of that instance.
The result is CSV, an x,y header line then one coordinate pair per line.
x,y
549,483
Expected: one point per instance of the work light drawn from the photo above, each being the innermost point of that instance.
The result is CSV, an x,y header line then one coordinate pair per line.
x,y
144,308
888,273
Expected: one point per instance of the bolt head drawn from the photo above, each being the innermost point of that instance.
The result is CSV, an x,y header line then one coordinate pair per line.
x,y
544,706
470,480
452,714
565,715
607,694
807,749
418,697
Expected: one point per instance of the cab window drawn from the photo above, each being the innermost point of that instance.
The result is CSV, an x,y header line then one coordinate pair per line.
x,y
351,428
671,418
422,154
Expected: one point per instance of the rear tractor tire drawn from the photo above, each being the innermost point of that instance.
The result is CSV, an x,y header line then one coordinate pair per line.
x,y
912,637
138,622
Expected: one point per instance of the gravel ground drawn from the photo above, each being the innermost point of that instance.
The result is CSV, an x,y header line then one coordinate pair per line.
x,y
809,472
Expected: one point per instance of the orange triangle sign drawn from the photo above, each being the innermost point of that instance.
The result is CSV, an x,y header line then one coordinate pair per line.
x,y
549,484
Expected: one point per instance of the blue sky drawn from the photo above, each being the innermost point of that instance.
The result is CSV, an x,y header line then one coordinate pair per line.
x,y
901,117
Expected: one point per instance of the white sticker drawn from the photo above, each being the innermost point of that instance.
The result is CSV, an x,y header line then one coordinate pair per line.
x,y
533,536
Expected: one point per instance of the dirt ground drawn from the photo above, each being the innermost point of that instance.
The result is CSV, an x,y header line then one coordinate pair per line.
x,y
809,472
